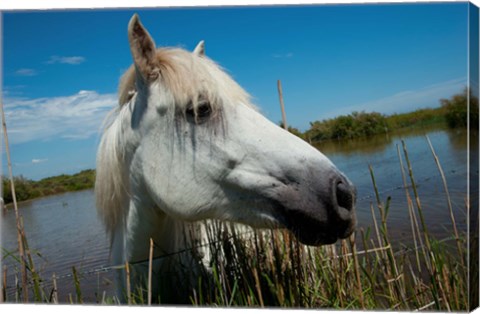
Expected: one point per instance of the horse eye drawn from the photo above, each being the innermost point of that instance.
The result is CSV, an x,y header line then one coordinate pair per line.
x,y
203,110
200,113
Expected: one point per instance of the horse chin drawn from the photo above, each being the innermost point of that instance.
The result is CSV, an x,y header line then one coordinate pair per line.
x,y
320,238
315,231
317,237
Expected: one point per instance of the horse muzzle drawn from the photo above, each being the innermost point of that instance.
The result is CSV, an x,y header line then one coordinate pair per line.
x,y
327,216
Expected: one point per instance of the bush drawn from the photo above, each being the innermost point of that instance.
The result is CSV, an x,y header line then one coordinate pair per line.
x,y
457,111
293,130
356,124
418,117
22,189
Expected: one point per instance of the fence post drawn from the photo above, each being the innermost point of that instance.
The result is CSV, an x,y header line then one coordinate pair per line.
x,y
282,106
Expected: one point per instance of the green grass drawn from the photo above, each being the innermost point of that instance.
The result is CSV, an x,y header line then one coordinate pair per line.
x,y
368,271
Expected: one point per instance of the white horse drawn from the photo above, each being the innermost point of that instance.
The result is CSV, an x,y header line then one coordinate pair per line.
x,y
186,144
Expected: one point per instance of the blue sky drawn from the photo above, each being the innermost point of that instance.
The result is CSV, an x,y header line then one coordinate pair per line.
x,y
61,68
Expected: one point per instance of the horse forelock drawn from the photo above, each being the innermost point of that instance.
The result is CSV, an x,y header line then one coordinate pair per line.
x,y
186,76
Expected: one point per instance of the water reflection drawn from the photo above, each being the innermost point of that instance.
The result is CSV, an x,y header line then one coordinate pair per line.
x,y
381,152
364,146
381,142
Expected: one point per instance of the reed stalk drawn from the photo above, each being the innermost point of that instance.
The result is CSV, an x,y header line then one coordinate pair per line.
x,y
15,206
3,292
129,289
413,218
37,292
449,202
436,287
358,285
76,282
150,264
54,296
460,249
258,287
417,197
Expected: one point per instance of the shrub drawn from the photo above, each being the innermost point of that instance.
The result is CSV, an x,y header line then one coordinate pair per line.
x,y
356,124
27,189
457,110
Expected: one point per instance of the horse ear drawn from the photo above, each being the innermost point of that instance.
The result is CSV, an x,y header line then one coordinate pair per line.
x,y
143,49
200,49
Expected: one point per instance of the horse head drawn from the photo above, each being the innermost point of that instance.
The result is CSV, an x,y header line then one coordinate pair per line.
x,y
194,147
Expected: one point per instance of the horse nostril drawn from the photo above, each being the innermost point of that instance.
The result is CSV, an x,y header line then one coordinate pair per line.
x,y
345,196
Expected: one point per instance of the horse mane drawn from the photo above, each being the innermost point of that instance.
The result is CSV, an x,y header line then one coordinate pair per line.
x,y
111,189
176,67
185,77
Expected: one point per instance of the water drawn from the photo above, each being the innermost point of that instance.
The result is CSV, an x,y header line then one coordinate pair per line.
x,y
354,157
65,229
62,232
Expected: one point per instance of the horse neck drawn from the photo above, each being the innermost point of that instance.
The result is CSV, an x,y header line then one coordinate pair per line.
x,y
173,261
173,239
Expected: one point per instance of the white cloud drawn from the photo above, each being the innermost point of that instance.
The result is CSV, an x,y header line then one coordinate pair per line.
x,y
283,55
26,72
66,60
405,101
13,91
39,161
78,116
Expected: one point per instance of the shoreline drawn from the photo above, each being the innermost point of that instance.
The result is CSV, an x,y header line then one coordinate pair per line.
x,y
9,206
27,190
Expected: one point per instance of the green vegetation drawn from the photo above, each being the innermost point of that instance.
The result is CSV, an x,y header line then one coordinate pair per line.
x,y
26,189
452,112
457,111
293,130
356,124
418,118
